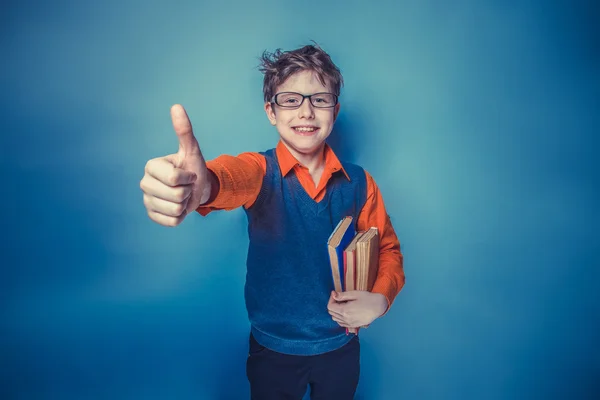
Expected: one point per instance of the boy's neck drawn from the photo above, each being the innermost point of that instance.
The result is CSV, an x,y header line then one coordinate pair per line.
x,y
313,161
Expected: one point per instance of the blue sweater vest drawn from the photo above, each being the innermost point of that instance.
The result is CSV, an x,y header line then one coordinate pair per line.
x,y
288,280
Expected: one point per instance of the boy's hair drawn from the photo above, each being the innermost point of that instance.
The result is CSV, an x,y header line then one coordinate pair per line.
x,y
280,65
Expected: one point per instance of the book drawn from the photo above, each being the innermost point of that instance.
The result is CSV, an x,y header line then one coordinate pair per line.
x,y
361,263
367,259
350,263
350,269
354,258
339,239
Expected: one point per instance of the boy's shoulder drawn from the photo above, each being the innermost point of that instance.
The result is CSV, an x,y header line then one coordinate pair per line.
x,y
271,152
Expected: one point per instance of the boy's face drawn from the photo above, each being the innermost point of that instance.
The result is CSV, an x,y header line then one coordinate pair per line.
x,y
303,130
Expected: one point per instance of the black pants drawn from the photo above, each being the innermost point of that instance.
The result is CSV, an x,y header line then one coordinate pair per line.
x,y
276,376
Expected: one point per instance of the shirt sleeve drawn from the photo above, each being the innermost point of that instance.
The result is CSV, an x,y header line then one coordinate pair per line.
x,y
390,276
240,180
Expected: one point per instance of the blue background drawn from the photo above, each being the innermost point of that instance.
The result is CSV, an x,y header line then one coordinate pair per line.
x,y
479,122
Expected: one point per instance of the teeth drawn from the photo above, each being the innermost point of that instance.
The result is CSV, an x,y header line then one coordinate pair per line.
x,y
305,129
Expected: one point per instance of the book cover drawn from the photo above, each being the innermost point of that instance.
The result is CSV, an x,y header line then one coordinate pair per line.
x,y
339,239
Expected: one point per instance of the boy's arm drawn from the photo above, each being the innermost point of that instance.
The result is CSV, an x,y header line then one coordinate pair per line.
x,y
390,277
236,182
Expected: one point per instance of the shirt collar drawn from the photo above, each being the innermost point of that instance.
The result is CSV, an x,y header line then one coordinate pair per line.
x,y
287,161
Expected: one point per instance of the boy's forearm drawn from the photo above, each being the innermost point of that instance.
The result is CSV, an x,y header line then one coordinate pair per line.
x,y
390,278
236,182
390,275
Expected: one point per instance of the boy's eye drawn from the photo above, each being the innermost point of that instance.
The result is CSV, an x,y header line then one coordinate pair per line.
x,y
323,100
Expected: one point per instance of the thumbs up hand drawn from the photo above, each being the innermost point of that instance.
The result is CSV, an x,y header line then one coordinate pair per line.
x,y
176,184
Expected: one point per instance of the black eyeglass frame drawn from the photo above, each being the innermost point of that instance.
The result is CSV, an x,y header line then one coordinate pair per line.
x,y
308,96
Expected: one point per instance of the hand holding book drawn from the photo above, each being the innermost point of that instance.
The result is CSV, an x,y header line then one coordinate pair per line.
x,y
356,308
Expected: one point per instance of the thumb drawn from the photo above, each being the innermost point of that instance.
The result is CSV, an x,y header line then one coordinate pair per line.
x,y
345,296
183,127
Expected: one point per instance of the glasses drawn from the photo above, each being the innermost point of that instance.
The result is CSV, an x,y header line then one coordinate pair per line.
x,y
295,100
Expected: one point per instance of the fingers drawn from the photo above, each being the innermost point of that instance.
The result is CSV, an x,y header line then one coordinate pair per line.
x,y
345,323
166,173
336,310
342,323
337,314
346,296
164,207
165,219
167,191
154,188
331,300
183,127
333,306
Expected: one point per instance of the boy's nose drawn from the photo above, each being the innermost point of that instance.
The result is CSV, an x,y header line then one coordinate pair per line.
x,y
306,109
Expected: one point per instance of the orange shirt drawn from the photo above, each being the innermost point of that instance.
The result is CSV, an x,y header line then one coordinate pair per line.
x,y
240,179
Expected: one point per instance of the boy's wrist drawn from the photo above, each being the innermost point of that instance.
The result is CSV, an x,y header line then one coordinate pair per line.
x,y
213,186
382,304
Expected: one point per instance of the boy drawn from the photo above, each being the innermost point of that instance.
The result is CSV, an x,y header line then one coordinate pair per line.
x,y
294,196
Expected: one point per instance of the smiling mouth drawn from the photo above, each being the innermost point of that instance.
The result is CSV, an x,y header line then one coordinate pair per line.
x,y
305,129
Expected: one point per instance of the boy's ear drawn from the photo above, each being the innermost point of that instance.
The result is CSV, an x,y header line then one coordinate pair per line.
x,y
270,113
336,111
